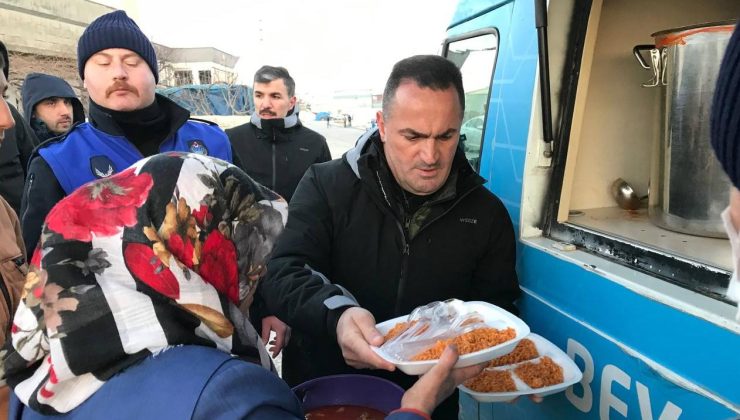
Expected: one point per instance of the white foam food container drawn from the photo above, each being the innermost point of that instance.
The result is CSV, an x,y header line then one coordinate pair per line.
x,y
492,315
571,375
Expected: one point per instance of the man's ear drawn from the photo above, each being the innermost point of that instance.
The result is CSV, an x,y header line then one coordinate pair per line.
x,y
381,125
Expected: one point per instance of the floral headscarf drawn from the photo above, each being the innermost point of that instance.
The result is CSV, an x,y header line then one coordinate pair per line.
x,y
168,252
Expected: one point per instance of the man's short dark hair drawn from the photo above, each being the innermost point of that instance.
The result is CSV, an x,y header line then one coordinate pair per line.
x,y
427,71
267,74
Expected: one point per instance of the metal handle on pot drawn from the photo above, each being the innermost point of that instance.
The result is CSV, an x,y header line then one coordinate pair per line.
x,y
657,63
637,51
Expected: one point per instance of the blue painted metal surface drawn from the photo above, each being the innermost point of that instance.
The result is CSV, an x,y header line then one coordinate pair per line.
x,y
618,336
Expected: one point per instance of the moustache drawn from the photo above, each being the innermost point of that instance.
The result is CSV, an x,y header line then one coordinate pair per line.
x,y
267,112
120,86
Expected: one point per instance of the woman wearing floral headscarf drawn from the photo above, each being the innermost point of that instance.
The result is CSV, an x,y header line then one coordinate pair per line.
x,y
166,253
137,301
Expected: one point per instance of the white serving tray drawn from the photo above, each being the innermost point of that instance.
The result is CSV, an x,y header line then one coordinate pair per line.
x,y
571,375
492,315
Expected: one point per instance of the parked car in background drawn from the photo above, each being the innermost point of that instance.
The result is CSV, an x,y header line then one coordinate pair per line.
x,y
471,135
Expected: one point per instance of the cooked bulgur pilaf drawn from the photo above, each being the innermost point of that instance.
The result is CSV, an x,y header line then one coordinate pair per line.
x,y
468,342
524,350
397,330
538,375
492,381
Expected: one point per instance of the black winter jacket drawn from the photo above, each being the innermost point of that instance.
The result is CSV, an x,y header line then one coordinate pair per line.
x,y
15,152
276,153
346,227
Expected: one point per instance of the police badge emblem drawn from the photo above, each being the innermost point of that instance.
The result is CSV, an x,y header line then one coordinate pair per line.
x,y
197,146
101,166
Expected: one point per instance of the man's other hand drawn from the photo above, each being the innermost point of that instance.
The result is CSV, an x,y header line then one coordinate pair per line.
x,y
356,332
282,334
439,383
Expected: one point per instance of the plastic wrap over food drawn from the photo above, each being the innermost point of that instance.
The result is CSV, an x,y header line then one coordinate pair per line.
x,y
429,324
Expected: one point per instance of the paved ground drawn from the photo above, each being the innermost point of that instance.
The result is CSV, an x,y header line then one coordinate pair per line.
x,y
340,139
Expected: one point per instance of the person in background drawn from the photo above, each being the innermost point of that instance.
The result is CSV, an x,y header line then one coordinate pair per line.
x,y
274,147
13,266
400,221
725,138
50,105
128,121
15,151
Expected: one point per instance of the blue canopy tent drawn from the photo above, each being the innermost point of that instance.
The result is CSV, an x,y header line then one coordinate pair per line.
x,y
216,99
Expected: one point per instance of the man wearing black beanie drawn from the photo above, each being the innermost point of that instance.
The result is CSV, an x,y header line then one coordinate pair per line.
x,y
127,121
15,151
725,137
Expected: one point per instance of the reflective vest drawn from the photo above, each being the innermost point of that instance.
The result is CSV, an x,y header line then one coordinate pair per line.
x,y
86,153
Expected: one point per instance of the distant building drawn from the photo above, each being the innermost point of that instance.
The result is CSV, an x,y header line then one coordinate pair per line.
x,y
195,66
351,99
41,36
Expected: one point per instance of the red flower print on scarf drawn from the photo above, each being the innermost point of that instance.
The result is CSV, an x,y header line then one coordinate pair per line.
x,y
100,207
203,216
218,265
44,392
146,267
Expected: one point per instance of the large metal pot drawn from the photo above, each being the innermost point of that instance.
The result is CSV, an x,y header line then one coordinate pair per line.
x,y
688,189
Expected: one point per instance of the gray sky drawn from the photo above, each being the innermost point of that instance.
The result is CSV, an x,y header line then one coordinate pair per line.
x,y
327,45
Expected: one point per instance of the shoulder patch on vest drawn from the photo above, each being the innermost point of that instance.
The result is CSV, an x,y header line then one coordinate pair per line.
x,y
197,146
101,166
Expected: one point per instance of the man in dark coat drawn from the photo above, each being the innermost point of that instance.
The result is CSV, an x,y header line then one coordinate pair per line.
x,y
50,105
15,151
400,221
274,147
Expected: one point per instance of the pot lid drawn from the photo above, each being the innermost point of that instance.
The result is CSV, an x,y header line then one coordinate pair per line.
x,y
684,31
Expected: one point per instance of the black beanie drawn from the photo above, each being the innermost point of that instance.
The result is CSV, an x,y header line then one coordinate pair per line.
x,y
115,30
6,63
726,111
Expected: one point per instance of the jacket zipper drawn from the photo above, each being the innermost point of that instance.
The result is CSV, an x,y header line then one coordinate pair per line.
x,y
31,177
274,168
405,249
406,246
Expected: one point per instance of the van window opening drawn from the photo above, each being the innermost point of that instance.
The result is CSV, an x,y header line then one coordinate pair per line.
x,y
475,54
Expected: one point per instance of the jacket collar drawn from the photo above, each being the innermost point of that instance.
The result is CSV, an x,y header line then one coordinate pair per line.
x,y
291,120
102,119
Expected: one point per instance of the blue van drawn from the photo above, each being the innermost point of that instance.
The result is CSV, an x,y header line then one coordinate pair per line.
x,y
639,305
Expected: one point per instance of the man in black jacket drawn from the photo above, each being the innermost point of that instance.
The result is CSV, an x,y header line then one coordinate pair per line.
x,y
400,221
274,147
15,151
50,105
